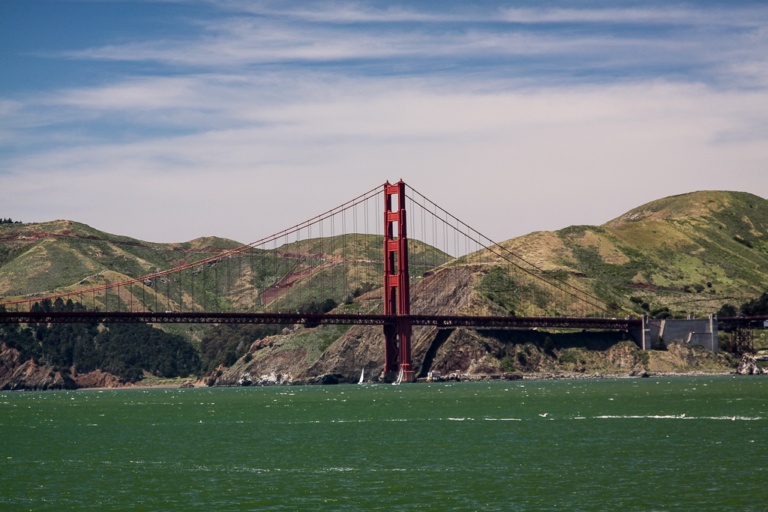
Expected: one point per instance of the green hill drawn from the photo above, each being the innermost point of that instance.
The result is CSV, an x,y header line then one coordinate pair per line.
x,y
718,240
690,253
64,256
59,256
685,254
54,258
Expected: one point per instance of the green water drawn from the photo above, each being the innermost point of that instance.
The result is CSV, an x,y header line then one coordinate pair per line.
x,y
642,444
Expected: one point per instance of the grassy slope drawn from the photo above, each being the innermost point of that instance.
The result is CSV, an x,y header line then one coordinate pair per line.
x,y
690,253
700,250
64,256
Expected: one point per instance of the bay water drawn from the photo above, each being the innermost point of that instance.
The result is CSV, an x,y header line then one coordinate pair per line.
x,y
680,443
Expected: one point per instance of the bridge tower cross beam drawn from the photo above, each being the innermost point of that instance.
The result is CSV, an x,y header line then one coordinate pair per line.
x,y
397,298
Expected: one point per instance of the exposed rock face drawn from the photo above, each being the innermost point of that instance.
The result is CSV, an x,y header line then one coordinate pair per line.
x,y
328,378
748,366
269,361
627,356
17,375
235,377
360,347
683,357
245,379
464,351
98,379
28,375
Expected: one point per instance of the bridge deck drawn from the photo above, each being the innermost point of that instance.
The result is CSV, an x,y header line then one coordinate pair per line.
x,y
439,321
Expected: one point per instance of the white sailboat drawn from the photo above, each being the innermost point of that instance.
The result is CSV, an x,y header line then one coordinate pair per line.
x,y
362,377
399,377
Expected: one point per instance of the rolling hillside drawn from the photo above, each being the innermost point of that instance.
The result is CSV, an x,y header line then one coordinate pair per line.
x,y
64,256
679,255
684,254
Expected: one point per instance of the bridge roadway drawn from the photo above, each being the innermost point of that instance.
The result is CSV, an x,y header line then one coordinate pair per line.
x,y
439,321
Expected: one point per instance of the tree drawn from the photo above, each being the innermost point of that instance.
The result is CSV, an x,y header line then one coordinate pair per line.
x,y
126,350
756,307
727,311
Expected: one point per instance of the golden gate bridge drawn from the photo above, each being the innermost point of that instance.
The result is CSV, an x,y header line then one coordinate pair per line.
x,y
381,259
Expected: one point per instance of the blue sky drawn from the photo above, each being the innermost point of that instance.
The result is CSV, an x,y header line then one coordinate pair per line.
x,y
170,120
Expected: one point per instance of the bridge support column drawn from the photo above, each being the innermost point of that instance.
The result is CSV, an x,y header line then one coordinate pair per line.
x,y
397,299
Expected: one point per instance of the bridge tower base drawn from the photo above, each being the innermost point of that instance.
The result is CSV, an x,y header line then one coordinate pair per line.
x,y
397,297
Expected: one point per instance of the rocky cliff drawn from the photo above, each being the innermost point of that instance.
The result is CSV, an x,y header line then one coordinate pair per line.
x,y
16,374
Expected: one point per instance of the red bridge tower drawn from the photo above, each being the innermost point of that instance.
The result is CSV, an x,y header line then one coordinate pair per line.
x,y
397,298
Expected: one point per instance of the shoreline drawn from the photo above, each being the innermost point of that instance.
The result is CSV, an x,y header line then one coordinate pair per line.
x,y
532,377
474,378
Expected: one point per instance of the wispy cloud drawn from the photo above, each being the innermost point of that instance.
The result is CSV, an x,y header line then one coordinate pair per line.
x,y
702,44
259,108
510,143
658,14
335,12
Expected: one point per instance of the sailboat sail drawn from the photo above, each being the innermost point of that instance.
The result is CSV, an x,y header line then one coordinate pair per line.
x,y
362,376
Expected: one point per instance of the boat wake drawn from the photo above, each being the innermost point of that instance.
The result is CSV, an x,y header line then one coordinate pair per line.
x,y
678,417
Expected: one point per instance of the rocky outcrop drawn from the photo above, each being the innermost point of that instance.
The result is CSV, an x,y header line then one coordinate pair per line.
x,y
465,351
360,347
98,379
681,357
748,366
270,379
329,378
17,375
626,355
242,374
